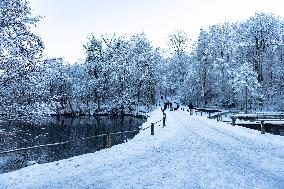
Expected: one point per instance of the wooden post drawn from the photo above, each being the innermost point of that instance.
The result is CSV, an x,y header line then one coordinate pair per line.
x,y
233,121
201,113
209,114
152,128
164,119
262,127
191,111
108,140
246,99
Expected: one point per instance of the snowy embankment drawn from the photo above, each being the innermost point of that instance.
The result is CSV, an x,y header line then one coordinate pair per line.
x,y
190,152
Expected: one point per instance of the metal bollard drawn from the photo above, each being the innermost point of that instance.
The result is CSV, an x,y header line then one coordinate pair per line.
x,y
262,127
152,128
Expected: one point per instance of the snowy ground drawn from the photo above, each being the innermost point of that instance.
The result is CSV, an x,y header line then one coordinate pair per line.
x,y
190,152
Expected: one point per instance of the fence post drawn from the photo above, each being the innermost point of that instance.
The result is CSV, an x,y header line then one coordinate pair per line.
x,y
191,111
152,128
233,121
108,140
262,127
164,119
201,113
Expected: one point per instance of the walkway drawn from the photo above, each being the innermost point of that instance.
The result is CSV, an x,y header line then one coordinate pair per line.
x,y
190,152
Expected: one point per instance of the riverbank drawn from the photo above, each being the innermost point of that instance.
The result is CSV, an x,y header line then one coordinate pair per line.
x,y
189,152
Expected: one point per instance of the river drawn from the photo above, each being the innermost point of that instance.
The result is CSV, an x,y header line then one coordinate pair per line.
x,y
23,143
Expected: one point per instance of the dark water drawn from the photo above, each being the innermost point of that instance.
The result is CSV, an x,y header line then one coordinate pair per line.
x,y
75,135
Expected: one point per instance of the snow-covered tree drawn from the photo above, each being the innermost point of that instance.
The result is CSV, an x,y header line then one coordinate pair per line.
x,y
246,86
122,71
179,44
253,46
20,51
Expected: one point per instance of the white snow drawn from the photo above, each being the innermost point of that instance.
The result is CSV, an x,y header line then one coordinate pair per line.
x,y
190,152
275,122
246,115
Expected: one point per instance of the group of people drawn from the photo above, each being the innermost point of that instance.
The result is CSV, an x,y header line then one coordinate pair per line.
x,y
171,106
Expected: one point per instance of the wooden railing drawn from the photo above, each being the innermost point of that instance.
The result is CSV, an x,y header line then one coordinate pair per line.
x,y
153,124
262,117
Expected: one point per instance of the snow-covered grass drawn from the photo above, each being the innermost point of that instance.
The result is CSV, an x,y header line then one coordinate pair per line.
x,y
190,152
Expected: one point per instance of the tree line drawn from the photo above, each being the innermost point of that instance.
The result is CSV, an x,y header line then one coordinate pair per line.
x,y
232,65
238,65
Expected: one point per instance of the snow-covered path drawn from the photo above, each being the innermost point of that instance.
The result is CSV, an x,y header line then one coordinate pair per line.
x,y
190,152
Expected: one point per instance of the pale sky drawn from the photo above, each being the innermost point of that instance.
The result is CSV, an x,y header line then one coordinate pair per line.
x,y
66,24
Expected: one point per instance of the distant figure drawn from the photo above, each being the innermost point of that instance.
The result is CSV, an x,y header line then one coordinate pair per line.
x,y
177,106
190,105
171,104
165,106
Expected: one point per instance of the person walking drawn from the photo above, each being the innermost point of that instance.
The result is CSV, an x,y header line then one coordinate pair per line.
x,y
190,106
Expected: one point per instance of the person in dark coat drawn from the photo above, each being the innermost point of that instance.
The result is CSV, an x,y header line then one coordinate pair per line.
x,y
190,105
177,106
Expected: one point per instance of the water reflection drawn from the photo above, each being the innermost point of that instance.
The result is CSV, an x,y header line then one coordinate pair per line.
x,y
61,137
